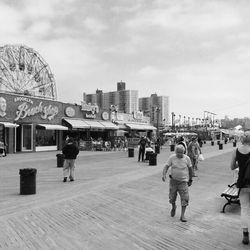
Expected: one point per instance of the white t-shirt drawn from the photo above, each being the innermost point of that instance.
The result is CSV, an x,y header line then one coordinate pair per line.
x,y
179,167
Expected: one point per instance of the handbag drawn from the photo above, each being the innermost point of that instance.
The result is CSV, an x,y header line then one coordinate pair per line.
x,y
201,157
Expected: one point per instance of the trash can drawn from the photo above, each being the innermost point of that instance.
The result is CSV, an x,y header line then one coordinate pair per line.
x,y
27,180
212,143
147,155
131,152
157,149
172,147
60,160
234,144
220,146
153,159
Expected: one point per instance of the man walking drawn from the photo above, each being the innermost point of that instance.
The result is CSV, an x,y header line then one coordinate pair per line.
x,y
142,146
193,151
70,151
180,179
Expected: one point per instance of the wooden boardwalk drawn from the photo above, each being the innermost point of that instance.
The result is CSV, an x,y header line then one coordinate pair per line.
x,y
115,203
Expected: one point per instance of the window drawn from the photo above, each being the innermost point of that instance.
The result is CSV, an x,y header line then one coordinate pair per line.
x,y
45,137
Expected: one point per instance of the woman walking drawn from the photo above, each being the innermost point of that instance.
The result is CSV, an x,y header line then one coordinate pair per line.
x,y
239,158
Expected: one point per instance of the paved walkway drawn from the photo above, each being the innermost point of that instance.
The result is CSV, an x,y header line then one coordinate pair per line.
x,y
115,203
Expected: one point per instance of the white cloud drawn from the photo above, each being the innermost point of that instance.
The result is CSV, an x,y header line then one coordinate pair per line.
x,y
10,20
94,26
188,17
39,29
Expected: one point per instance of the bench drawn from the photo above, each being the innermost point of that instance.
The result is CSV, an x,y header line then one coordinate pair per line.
x,y
232,195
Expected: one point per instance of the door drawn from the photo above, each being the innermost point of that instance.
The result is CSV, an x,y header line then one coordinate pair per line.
x,y
27,137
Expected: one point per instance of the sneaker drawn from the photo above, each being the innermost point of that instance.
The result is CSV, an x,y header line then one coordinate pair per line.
x,y
173,211
64,179
71,179
245,239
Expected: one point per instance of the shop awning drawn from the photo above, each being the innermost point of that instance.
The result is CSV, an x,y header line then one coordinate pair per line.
x,y
77,123
52,126
108,125
9,125
95,124
149,127
134,126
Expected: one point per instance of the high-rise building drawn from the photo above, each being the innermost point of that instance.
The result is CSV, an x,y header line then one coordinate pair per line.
x,y
121,86
156,107
125,100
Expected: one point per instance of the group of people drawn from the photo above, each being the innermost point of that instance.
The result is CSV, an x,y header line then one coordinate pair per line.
x,y
181,167
145,145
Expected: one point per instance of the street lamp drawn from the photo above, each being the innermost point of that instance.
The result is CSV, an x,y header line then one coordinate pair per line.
x,y
157,109
173,115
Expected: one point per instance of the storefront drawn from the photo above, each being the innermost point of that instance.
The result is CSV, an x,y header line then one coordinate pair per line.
x,y
30,124
87,124
133,125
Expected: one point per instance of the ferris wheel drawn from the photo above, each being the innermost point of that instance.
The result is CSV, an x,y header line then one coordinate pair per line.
x,y
24,71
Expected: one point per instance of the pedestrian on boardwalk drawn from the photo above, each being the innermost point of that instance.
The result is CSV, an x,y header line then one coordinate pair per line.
x,y
193,151
239,159
181,141
142,146
180,179
70,151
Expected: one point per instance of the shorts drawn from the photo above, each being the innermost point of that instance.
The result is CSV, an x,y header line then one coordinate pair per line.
x,y
180,187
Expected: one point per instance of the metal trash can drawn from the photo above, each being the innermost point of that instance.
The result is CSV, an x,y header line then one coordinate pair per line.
x,y
60,160
153,159
220,146
131,152
172,147
27,180
212,143
147,155
234,144
157,149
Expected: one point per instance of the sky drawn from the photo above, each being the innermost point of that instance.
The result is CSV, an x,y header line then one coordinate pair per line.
x,y
194,51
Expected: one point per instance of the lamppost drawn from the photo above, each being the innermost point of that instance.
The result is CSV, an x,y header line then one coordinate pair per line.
x,y
157,109
173,125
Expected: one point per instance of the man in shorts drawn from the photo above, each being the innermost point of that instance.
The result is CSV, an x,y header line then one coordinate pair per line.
x,y
180,179
193,151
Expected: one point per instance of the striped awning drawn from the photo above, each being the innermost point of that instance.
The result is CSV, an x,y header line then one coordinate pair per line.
x,y
108,125
95,124
52,127
77,123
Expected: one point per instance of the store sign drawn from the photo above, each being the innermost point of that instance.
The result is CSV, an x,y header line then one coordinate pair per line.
x,y
90,116
105,116
3,107
70,112
93,108
26,110
138,115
